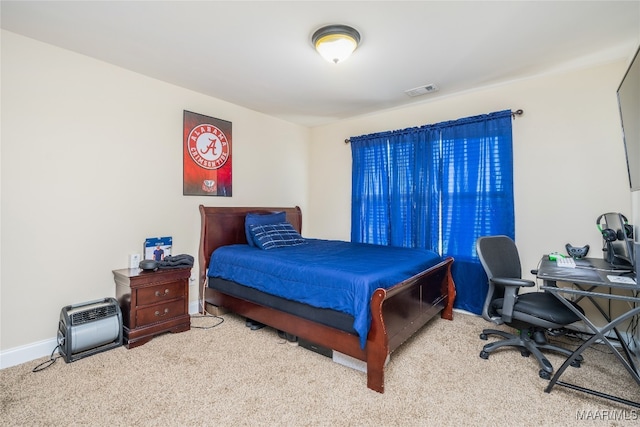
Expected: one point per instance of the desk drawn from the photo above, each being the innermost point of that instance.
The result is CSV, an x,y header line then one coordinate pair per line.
x,y
589,274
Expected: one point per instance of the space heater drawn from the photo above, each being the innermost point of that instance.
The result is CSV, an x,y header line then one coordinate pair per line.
x,y
89,328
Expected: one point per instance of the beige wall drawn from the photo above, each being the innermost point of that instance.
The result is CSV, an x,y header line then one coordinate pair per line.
x,y
92,164
569,164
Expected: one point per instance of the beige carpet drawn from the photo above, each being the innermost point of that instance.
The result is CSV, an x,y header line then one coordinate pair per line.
x,y
232,376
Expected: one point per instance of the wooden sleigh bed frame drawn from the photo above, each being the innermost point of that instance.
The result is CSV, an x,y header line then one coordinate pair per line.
x,y
397,312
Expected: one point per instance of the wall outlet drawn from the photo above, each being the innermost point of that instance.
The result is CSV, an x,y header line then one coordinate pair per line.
x,y
134,260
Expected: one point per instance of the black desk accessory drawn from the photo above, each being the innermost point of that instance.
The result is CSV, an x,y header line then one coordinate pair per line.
x,y
577,252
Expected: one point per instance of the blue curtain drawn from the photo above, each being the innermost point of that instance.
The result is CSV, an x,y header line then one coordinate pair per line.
x,y
438,187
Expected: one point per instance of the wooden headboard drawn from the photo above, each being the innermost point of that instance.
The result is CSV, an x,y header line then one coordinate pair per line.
x,y
222,226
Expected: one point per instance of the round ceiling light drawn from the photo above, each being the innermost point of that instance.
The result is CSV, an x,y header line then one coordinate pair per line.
x,y
335,43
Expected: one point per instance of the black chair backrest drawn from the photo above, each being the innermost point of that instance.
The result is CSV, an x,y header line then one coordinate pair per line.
x,y
499,257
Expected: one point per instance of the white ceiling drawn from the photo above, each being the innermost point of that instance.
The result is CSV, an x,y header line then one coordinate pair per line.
x,y
258,54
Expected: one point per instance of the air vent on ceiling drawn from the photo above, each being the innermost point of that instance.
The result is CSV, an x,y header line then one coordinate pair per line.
x,y
421,90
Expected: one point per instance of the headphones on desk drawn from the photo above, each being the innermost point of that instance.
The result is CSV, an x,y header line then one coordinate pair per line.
x,y
610,235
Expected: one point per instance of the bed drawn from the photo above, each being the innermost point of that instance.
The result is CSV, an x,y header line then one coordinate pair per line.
x,y
396,312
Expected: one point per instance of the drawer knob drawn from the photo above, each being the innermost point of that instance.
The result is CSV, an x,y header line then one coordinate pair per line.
x,y
166,310
166,292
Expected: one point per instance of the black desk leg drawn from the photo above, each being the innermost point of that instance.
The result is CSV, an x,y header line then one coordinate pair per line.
x,y
599,334
623,343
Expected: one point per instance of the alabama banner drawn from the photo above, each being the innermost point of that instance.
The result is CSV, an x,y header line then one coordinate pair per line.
x,y
206,156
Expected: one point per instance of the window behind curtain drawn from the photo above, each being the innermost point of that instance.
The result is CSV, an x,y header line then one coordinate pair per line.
x,y
438,187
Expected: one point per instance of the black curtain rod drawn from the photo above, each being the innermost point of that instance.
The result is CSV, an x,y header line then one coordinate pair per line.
x,y
518,112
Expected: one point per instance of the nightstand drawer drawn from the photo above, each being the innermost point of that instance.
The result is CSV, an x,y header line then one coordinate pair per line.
x,y
160,293
159,312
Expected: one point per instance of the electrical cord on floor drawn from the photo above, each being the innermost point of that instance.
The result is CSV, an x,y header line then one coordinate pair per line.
x,y
207,315
44,365
581,337
205,312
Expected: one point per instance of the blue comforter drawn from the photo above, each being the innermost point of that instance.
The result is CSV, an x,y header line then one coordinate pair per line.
x,y
323,273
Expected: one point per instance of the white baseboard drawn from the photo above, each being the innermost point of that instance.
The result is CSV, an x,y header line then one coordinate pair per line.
x,y
194,307
27,353
459,310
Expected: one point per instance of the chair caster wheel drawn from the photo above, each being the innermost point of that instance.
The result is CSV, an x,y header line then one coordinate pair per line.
x,y
484,355
484,337
544,374
575,364
525,353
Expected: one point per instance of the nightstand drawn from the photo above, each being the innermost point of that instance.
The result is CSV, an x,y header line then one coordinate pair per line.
x,y
152,302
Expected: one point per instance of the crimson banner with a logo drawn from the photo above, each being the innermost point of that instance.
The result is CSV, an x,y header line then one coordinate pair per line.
x,y
206,156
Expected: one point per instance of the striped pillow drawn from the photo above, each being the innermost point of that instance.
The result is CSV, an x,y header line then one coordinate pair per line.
x,y
261,219
270,236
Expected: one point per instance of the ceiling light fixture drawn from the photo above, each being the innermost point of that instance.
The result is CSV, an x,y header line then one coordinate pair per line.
x,y
335,43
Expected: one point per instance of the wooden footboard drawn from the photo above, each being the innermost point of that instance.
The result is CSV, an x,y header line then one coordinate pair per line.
x,y
397,312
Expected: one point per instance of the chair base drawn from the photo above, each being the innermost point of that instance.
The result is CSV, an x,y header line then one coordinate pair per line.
x,y
527,345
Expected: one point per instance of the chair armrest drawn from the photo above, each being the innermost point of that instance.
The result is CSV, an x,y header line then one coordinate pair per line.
x,y
507,281
511,286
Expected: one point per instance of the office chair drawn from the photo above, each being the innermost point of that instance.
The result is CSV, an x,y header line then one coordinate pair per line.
x,y
533,314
